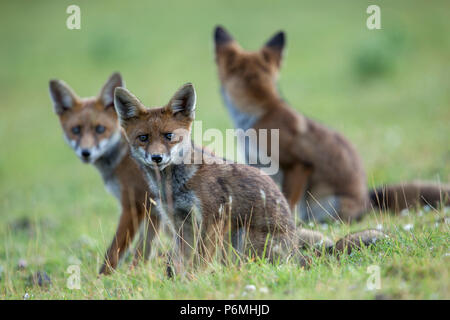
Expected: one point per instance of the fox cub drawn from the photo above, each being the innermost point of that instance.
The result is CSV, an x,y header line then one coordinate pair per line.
x,y
92,129
200,194
193,193
316,163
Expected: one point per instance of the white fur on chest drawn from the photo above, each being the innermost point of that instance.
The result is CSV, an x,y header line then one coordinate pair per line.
x,y
113,187
241,119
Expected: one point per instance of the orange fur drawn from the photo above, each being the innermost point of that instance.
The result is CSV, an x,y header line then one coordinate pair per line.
x,y
80,119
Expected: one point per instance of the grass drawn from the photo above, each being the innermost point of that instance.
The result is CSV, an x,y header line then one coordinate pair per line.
x,y
413,264
55,211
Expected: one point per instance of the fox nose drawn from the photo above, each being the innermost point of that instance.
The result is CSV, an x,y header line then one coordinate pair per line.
x,y
157,158
85,153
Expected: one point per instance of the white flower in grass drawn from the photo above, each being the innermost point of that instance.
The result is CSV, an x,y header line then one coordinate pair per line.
x,y
404,213
379,227
264,290
408,227
250,288
22,264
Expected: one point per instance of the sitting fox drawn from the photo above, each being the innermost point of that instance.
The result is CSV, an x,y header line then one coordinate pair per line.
x,y
92,129
200,194
316,162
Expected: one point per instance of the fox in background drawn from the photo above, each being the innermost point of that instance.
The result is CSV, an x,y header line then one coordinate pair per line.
x,y
92,129
318,165
206,201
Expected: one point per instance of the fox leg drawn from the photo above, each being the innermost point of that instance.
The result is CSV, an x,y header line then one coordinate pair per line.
x,y
211,240
355,241
273,247
183,248
175,261
311,238
128,224
295,180
144,245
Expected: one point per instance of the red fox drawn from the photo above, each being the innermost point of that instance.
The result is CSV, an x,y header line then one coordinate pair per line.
x,y
316,162
225,202
92,129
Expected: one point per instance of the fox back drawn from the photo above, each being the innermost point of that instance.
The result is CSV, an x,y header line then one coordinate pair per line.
x,y
250,92
318,164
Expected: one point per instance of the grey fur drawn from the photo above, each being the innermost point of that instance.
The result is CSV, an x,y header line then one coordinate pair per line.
x,y
175,203
241,120
308,208
238,240
319,210
107,164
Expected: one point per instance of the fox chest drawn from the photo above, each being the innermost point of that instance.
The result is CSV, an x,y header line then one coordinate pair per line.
x,y
111,182
241,120
113,186
177,204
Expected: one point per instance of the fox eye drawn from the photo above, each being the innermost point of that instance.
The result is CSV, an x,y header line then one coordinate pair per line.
x,y
99,129
169,136
76,130
143,137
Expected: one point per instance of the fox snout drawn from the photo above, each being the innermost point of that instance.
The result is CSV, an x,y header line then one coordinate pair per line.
x,y
90,150
157,158
85,148
85,154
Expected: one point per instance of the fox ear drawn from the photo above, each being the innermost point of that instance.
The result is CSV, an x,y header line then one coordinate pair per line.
x,y
273,49
221,36
62,95
127,105
107,92
183,101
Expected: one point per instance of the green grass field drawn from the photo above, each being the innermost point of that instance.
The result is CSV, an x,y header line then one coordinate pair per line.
x,y
387,90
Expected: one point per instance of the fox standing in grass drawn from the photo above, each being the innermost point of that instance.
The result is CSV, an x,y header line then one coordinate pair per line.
x,y
315,161
209,204
92,129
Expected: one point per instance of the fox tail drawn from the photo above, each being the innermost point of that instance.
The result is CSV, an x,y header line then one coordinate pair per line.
x,y
408,195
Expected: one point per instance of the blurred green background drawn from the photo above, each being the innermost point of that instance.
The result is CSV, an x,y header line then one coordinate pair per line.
x,y
387,90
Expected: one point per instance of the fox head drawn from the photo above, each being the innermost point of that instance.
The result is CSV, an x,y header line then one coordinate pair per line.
x,y
159,136
90,125
248,75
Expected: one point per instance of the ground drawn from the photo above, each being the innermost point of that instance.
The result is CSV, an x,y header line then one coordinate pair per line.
x,y
386,90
